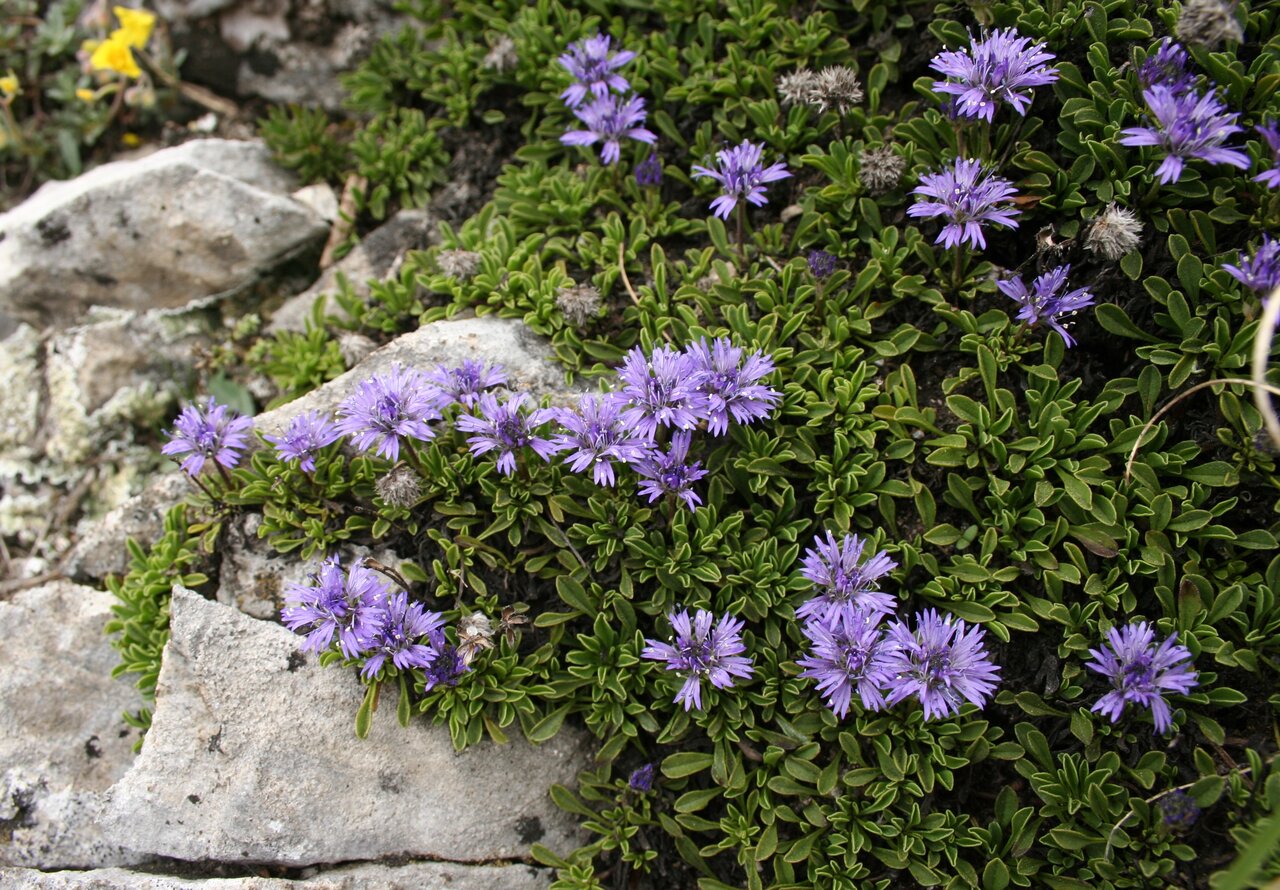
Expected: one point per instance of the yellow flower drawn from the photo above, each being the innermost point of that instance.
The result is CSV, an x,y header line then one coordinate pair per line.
x,y
131,140
114,55
135,26
86,95
9,86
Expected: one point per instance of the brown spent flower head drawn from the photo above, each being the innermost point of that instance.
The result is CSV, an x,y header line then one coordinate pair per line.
x,y
880,169
1114,233
399,488
501,56
354,347
800,87
459,264
838,88
1208,23
475,633
578,304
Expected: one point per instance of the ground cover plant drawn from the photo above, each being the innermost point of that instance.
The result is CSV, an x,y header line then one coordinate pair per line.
x,y
865,559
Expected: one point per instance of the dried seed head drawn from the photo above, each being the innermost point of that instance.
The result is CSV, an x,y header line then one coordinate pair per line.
x,y
400,487
880,169
838,88
501,56
354,347
459,264
1208,23
800,87
1114,233
578,304
475,632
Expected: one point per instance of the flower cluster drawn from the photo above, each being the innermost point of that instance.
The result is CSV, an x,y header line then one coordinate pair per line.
x,y
742,174
610,116
702,652
835,88
1260,272
1141,672
1044,301
115,54
966,197
1001,67
941,663
208,431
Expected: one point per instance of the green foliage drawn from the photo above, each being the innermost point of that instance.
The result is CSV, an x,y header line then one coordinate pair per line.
x,y
303,139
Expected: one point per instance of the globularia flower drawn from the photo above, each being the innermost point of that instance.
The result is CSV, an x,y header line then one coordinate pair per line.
x,y
1044,302
578,304
880,169
670,472
1167,66
448,665
594,67
943,664
660,389
506,428
208,431
1178,810
1141,672
649,171
642,779
388,408
1270,133
1208,23
848,657
306,434
846,586
596,436
1002,66
742,174
1260,272
399,637
821,263
731,386
609,119
966,198
352,608
464,384
1114,232
699,652
1187,125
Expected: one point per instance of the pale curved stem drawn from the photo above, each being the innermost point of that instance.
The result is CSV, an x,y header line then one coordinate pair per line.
x,y
1261,353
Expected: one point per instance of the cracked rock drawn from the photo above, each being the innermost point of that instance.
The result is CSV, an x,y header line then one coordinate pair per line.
x,y
252,758
413,876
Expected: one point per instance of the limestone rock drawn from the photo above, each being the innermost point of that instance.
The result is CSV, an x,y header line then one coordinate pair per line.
x,y
413,876
100,551
62,738
251,758
179,225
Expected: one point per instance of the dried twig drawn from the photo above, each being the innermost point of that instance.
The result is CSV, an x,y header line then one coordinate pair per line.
x,y
346,218
1261,353
622,267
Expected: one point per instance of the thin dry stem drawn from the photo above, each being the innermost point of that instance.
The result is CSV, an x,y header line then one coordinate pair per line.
x,y
622,268
1261,353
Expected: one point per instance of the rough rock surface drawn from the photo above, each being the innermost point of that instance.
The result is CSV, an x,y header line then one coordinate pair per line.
x,y
251,757
100,550
528,359
179,225
414,876
62,739
373,259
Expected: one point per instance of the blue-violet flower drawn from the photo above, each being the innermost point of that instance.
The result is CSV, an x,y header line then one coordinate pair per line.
x,y
1141,672
731,386
1043,302
506,428
399,637
846,589
742,174
208,431
649,171
966,198
943,664
594,66
388,408
1260,272
1188,125
352,608
661,389
447,667
608,120
669,472
641,779
701,653
1167,66
463,384
306,434
1002,66
1270,132
598,437
821,264
848,657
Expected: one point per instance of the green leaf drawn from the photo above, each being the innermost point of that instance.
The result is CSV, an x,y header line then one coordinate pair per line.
x,y
364,715
402,702
1113,319
685,763
546,728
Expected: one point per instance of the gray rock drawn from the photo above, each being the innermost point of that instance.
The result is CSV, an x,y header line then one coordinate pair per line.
x,y
179,225
100,550
22,370
251,758
62,739
412,876
528,359
372,260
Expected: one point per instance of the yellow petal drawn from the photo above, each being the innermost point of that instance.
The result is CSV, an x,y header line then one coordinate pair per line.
x,y
86,95
9,86
115,55
135,26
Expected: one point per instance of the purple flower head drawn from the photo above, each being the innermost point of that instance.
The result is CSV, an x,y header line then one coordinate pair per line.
x,y
1002,66
702,653
649,171
506,428
943,664
669,472
352,608
387,408
399,637
448,665
821,263
848,657
966,198
642,779
1260,272
846,590
594,66
1178,810
1043,302
1167,66
306,434
208,431
463,384
598,437
743,174
731,386
1141,672
1270,132
1187,125
608,120
661,389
